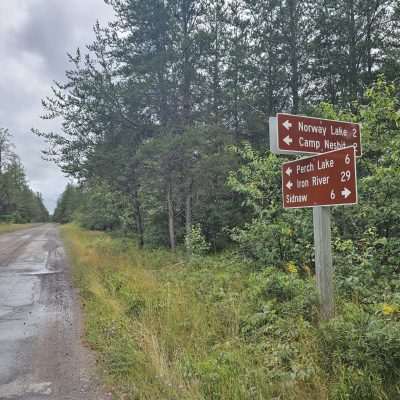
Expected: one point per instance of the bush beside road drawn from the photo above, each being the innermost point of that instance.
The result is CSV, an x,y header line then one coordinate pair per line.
x,y
7,228
165,327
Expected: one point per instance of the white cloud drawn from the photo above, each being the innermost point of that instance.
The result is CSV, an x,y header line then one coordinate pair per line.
x,y
13,15
35,36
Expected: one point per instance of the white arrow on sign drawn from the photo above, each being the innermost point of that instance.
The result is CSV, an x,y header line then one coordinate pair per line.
x,y
287,124
289,185
288,140
289,171
346,193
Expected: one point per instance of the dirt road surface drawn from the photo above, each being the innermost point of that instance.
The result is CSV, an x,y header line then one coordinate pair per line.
x,y
41,354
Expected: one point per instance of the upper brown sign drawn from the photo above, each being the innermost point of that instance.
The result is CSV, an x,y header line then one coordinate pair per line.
x,y
324,180
298,134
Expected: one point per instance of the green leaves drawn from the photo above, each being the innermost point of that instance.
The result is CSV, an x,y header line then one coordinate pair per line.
x,y
366,350
258,179
18,203
274,236
195,243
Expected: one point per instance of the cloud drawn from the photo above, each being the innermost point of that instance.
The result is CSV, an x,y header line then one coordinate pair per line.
x,y
35,36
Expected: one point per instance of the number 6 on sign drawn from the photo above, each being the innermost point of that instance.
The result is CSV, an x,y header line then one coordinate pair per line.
x,y
325,180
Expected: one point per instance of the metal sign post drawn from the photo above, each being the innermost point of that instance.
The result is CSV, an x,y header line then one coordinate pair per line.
x,y
318,182
326,179
323,260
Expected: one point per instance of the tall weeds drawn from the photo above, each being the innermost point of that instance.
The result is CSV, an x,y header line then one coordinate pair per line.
x,y
167,329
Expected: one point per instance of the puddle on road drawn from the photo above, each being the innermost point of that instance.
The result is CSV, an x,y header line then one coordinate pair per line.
x,y
24,386
23,317
41,273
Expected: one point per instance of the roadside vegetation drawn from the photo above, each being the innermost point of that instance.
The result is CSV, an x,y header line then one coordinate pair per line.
x,y
7,228
18,203
215,327
196,283
242,322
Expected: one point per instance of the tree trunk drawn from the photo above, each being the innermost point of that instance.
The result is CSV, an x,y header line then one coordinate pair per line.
x,y
171,220
188,215
187,71
370,59
294,81
216,66
139,221
352,53
162,83
163,102
236,96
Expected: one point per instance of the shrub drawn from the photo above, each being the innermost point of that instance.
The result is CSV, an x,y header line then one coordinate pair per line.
x,y
362,353
271,240
367,270
277,295
196,243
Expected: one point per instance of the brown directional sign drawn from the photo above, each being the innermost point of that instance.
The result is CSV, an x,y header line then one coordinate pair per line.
x,y
324,180
298,134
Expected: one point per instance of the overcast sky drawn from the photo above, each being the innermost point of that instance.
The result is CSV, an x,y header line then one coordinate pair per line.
x,y
35,36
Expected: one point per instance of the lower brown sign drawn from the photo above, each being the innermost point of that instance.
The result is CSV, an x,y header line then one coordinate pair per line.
x,y
324,180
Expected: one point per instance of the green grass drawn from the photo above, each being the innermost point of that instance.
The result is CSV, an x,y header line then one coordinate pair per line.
x,y
7,228
165,328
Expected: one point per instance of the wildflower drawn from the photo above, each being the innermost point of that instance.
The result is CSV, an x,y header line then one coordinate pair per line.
x,y
291,267
388,309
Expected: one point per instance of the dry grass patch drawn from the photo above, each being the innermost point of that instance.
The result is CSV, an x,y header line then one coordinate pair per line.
x,y
7,228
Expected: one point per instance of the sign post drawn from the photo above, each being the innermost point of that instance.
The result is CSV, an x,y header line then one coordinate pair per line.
x,y
323,260
319,182
326,179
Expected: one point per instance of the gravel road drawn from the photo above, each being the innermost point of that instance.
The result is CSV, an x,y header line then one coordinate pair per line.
x,y
41,354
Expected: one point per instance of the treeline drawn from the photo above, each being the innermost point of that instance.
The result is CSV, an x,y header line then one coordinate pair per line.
x,y
18,203
153,112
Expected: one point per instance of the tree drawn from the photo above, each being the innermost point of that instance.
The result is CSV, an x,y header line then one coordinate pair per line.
x,y
69,202
167,74
183,182
18,203
6,153
352,43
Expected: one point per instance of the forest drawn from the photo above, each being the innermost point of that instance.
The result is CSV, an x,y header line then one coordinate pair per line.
x,y
18,203
165,135
154,109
